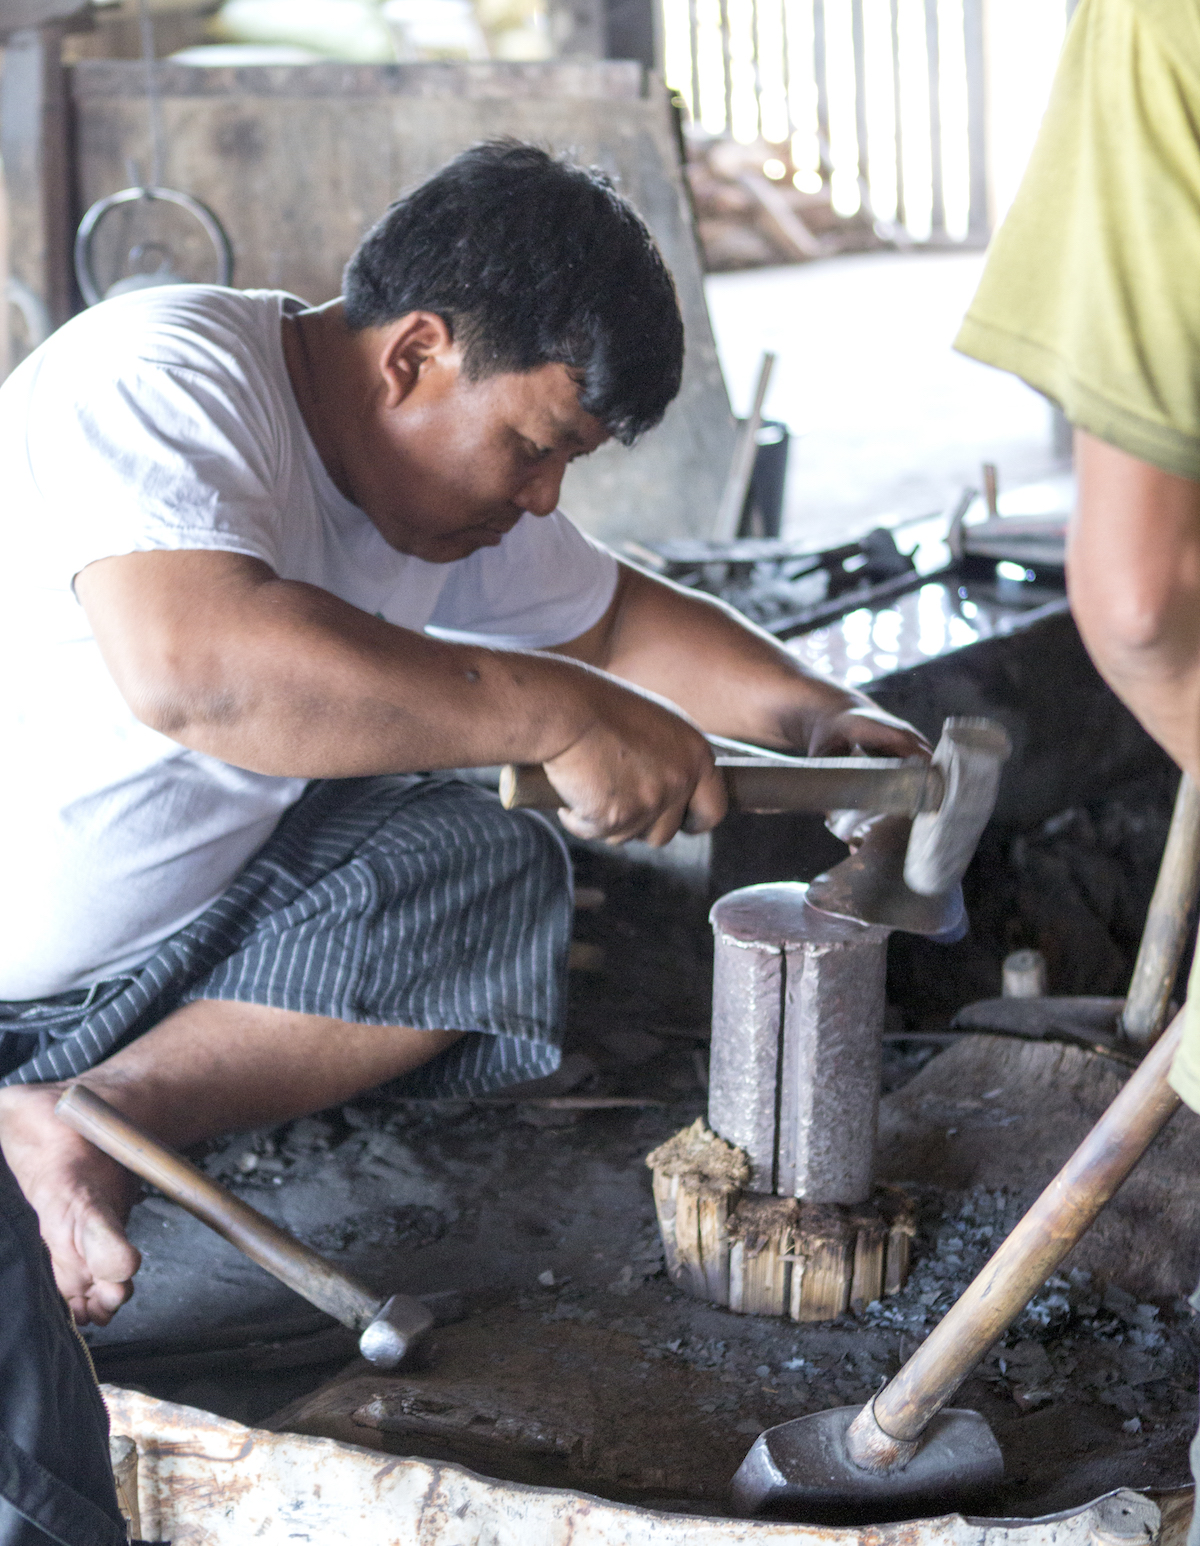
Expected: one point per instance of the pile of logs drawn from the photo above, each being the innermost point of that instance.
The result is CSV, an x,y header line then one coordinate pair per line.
x,y
750,211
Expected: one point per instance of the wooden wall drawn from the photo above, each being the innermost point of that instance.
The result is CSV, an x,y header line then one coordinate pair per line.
x,y
298,161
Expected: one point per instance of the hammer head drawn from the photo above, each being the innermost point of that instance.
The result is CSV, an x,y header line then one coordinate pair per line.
x,y
969,755
800,1470
399,1322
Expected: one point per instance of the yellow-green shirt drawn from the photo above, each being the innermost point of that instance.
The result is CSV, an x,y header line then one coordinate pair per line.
x,y
1091,291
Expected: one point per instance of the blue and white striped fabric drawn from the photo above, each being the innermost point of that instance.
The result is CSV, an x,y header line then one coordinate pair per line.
x,y
407,900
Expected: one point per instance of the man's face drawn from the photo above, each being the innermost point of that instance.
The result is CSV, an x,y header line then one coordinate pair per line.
x,y
453,465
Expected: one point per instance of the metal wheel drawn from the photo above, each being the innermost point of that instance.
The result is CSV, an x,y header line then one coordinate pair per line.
x,y
213,229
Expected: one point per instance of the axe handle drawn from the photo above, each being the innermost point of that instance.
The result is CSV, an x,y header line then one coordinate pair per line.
x,y
1166,930
886,1432
255,1235
879,784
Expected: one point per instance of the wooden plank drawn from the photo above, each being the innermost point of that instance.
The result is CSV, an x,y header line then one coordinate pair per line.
x,y
870,1251
18,15
687,1236
713,1212
591,80
665,1188
899,1252
821,1278
35,144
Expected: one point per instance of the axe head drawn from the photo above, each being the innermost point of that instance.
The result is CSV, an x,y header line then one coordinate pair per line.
x,y
870,887
969,755
801,1470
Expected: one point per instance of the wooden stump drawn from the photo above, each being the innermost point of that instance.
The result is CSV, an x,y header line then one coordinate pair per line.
x,y
764,1255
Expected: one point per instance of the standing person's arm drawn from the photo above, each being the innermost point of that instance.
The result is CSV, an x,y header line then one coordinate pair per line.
x,y
1133,571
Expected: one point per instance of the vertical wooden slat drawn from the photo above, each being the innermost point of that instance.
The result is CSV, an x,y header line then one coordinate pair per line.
x,y
937,213
786,65
694,45
978,222
665,1190
860,102
727,66
898,113
35,142
687,1234
821,79
755,48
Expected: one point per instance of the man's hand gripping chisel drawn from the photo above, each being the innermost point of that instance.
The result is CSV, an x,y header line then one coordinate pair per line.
x,y
948,800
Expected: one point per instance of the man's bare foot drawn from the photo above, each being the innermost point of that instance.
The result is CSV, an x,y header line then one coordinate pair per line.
x,y
81,1197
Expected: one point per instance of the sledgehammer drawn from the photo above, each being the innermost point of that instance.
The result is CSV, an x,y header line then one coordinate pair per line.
x,y
950,799
388,1327
906,1454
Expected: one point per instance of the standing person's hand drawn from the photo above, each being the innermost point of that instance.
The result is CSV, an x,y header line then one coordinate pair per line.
x,y
641,769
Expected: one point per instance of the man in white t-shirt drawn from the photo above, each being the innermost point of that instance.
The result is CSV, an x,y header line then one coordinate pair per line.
x,y
266,567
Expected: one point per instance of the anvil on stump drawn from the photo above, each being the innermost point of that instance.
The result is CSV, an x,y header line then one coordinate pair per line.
x,y
771,1209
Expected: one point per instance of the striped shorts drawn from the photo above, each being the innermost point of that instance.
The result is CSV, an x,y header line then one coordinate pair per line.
x,y
403,900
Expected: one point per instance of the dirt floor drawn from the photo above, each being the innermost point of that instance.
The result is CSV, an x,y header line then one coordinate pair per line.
x,y
572,1359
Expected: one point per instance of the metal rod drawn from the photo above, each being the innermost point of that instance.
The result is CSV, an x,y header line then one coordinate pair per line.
x,y
745,452
886,1432
1166,930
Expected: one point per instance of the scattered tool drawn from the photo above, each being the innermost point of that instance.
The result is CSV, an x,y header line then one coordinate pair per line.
x,y
741,468
388,1326
905,1454
1130,1024
950,799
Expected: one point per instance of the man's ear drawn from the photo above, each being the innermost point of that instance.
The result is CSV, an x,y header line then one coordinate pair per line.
x,y
410,346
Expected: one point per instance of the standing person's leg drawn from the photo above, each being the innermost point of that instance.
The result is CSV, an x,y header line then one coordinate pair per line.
x,y
55,1480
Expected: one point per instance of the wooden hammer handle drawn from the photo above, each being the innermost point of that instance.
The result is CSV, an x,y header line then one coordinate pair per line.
x,y
255,1235
883,784
1057,1221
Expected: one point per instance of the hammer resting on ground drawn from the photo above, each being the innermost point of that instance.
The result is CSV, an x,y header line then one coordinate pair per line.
x,y
388,1326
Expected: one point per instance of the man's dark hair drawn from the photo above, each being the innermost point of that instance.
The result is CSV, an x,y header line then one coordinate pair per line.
x,y
531,260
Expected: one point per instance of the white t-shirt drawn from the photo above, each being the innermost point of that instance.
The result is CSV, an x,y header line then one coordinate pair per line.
x,y
165,419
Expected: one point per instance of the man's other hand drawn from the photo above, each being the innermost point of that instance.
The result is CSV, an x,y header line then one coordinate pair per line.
x,y
641,770
863,727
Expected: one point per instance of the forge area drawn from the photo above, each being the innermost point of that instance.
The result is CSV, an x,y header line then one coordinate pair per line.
x,y
568,1357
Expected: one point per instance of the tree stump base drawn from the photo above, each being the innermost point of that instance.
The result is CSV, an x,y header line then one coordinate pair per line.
x,y
763,1255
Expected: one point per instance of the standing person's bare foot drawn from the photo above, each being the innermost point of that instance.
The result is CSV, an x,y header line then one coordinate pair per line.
x,y
81,1197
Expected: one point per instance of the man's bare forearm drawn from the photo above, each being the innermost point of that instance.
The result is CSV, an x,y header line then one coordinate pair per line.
x,y
1133,568
284,678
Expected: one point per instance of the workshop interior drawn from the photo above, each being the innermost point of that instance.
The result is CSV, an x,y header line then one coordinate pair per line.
x,y
856,1193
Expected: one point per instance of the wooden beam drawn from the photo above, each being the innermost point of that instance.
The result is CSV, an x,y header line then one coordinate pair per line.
x,y
35,141
18,15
